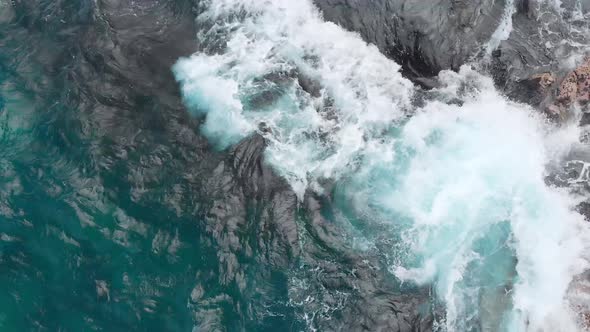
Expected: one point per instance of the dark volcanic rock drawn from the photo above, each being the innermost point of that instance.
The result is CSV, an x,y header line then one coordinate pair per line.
x,y
423,36
544,39
426,37
360,298
535,90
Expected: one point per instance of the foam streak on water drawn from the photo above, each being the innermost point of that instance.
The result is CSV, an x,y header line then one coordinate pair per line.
x,y
504,28
462,183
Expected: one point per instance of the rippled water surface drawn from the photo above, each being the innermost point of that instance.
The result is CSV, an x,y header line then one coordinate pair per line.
x,y
97,230
245,165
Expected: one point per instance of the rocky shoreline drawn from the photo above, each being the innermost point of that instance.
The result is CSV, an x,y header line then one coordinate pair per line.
x,y
529,65
119,54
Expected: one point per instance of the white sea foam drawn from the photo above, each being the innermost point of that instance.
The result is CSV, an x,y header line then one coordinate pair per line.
x,y
504,28
482,220
308,140
463,183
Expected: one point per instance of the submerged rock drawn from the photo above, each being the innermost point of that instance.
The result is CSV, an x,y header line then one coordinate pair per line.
x,y
262,259
128,145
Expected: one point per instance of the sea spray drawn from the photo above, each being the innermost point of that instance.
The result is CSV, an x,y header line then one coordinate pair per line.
x,y
460,181
472,203
504,28
259,78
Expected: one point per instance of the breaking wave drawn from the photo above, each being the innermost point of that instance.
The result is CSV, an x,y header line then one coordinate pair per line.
x,y
458,173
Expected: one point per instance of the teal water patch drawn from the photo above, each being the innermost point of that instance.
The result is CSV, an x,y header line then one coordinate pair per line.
x,y
467,198
100,227
72,258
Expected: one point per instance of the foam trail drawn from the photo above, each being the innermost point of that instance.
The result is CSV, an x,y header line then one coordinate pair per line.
x,y
504,28
461,183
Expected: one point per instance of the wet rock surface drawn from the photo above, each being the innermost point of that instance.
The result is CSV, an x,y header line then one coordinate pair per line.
x,y
263,260
422,36
426,37
219,225
575,88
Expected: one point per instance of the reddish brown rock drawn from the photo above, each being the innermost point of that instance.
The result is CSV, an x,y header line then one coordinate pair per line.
x,y
575,88
584,83
568,90
545,80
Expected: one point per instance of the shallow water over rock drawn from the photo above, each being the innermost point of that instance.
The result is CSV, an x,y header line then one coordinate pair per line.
x,y
125,207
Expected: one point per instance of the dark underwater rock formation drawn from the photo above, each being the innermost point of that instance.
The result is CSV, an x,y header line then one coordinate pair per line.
x,y
123,117
261,248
